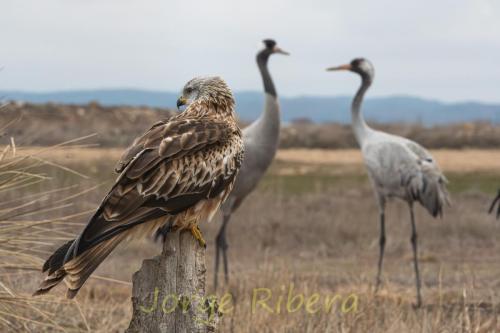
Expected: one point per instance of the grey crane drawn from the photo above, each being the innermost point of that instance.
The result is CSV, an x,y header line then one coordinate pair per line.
x,y
495,201
261,142
397,168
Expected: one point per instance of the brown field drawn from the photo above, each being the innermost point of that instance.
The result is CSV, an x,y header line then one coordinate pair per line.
x,y
311,224
463,160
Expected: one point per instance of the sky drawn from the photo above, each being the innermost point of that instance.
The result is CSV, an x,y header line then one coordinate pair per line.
x,y
443,49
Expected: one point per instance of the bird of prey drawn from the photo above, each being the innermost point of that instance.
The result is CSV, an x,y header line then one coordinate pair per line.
x,y
261,142
495,201
398,167
179,172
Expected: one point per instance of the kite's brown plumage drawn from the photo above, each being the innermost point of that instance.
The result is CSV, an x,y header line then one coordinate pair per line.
x,y
179,171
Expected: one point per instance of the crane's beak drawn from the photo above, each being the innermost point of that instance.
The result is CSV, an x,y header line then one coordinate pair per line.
x,y
181,101
280,51
346,67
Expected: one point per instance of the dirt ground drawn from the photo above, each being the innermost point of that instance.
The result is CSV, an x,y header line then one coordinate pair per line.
x,y
310,228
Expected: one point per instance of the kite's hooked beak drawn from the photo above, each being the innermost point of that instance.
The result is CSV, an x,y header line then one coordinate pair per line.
x,y
280,51
181,101
346,67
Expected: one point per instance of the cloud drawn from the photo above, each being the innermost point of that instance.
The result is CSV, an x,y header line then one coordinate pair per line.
x,y
442,49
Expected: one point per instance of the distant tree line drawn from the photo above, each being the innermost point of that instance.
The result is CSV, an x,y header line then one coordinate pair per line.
x,y
48,124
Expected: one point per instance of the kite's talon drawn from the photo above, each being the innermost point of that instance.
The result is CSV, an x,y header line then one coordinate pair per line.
x,y
196,232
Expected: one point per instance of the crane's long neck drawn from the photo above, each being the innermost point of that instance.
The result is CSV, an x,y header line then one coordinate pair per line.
x,y
262,59
359,125
269,120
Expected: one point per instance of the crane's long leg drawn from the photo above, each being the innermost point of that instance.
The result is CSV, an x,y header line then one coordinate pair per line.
x,y
492,207
382,248
163,231
221,244
415,258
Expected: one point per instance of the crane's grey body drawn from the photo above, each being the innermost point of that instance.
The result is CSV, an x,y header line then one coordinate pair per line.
x,y
397,168
403,169
261,140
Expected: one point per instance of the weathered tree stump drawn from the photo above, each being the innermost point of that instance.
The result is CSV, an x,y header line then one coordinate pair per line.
x,y
168,293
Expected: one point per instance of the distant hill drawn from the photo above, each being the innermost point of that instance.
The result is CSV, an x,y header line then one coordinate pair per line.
x,y
391,109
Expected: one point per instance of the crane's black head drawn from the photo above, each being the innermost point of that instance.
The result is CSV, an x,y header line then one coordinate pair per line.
x,y
269,43
271,47
359,65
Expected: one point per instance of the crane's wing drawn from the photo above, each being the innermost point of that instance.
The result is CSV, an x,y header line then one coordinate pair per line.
x,y
421,152
166,171
408,166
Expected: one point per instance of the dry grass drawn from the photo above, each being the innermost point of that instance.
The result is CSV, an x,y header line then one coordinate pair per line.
x,y
329,245
31,223
312,223
450,160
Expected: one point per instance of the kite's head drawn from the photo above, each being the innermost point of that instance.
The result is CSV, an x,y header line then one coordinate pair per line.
x,y
212,89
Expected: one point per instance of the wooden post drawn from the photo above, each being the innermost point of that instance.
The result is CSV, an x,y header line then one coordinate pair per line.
x,y
168,293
